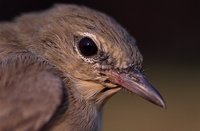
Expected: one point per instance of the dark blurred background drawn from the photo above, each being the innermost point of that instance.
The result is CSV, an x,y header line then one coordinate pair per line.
x,y
168,35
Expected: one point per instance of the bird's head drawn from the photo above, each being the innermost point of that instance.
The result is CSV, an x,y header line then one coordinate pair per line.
x,y
95,52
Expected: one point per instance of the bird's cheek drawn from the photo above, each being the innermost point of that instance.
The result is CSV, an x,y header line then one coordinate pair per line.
x,y
88,89
104,96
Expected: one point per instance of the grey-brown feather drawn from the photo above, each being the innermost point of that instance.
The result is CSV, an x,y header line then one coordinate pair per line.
x,y
27,91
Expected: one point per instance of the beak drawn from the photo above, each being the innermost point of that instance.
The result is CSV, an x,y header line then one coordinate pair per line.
x,y
136,82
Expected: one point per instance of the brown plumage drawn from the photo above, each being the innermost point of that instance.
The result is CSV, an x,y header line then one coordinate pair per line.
x,y
58,68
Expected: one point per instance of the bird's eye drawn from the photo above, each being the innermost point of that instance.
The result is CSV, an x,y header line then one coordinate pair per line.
x,y
87,47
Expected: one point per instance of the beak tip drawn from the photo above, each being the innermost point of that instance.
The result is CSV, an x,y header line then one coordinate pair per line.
x,y
164,105
161,103
155,97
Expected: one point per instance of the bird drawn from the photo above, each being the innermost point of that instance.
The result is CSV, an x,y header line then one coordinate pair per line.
x,y
59,67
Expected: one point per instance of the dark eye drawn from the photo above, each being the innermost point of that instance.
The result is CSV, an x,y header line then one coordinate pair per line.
x,y
87,47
